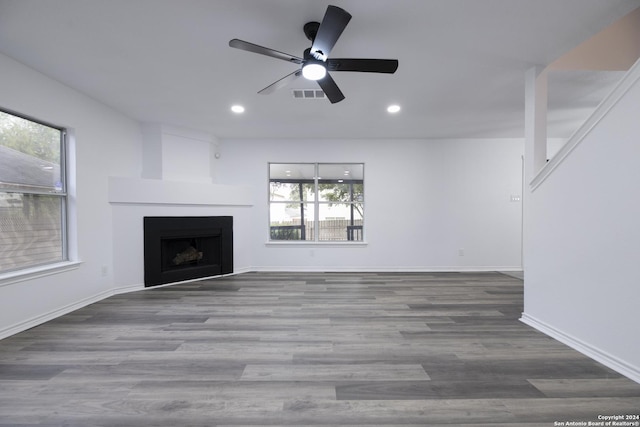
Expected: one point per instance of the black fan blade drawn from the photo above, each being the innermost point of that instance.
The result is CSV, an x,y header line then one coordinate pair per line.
x,y
331,89
363,65
250,47
281,83
333,24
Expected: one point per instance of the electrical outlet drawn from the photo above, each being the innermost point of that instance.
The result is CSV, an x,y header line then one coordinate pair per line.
x,y
105,270
460,252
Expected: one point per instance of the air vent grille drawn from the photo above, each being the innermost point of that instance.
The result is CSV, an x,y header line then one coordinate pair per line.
x,y
308,94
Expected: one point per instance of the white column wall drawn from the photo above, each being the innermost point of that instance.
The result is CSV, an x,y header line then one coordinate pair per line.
x,y
582,282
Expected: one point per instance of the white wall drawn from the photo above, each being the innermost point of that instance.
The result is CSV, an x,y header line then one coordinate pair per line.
x,y
425,200
178,154
582,281
106,143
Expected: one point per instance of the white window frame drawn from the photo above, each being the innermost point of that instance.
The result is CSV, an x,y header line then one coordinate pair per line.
x,y
316,203
63,264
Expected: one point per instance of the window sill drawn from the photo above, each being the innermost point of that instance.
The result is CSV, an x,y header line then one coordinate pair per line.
x,y
36,272
304,244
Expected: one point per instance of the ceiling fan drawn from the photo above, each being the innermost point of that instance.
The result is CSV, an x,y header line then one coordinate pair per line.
x,y
315,63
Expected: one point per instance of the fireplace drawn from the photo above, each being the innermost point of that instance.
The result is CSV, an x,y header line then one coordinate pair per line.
x,y
185,248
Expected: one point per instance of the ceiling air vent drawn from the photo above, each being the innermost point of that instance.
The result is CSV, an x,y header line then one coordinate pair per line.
x,y
308,94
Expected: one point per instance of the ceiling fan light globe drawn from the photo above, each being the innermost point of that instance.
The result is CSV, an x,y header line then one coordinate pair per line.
x,y
314,71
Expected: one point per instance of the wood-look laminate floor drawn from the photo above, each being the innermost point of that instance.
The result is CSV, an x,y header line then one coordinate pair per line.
x,y
306,349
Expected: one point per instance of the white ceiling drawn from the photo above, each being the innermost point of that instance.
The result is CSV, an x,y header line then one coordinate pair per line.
x,y
461,72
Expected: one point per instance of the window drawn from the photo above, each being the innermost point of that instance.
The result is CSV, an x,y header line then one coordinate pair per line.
x,y
316,202
33,195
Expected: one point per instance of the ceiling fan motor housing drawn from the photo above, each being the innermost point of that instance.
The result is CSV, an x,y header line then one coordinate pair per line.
x,y
311,29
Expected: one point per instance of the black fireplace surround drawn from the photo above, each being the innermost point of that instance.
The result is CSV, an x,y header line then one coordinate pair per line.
x,y
185,248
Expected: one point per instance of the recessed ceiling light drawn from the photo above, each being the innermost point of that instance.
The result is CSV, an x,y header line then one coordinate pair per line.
x,y
237,109
393,108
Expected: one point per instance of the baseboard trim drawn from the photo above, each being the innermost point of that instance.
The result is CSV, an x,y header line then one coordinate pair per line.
x,y
53,314
608,360
333,269
127,289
